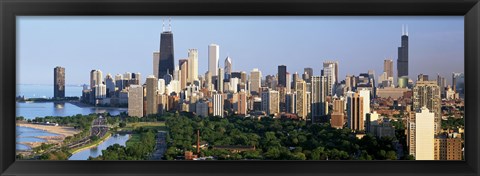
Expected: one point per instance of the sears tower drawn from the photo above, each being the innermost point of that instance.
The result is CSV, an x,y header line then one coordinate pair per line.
x,y
166,63
402,62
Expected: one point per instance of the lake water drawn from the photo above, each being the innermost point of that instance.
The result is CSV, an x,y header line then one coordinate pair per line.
x,y
97,151
25,134
31,110
46,91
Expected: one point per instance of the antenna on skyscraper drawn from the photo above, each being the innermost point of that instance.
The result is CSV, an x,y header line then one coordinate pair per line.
x,y
169,24
163,24
407,30
403,29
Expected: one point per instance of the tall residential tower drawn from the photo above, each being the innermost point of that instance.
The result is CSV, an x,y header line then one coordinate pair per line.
x,y
166,61
59,82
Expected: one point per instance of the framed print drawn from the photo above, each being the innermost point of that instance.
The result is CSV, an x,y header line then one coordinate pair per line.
x,y
254,87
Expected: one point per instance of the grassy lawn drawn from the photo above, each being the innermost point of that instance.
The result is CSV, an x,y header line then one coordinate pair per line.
x,y
134,139
147,125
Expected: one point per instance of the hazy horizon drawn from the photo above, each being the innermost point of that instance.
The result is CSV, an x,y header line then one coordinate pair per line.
x,y
126,44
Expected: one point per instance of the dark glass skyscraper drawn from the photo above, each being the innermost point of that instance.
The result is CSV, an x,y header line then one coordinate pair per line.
x,y
282,75
59,82
402,62
166,63
307,74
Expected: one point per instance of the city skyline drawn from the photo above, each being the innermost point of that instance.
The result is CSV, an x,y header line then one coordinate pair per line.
x,y
243,54
349,101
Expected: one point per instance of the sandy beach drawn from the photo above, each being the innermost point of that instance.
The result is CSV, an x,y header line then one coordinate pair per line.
x,y
60,130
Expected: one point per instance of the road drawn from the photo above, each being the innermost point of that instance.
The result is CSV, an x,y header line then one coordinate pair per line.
x,y
99,129
160,147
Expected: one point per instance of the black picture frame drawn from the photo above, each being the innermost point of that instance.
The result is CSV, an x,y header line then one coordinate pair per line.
x,y
9,9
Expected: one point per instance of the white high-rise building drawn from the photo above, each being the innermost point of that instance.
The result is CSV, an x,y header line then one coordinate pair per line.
x,y
234,84
335,69
256,80
213,55
192,65
176,73
329,72
100,91
365,93
218,105
156,60
288,80
127,76
96,78
161,86
135,101
424,135
174,86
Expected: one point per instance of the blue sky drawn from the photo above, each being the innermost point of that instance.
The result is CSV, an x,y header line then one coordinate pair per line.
x,y
125,44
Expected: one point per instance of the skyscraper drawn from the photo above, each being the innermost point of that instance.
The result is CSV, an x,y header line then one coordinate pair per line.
x,y
96,78
427,94
424,134
213,55
100,91
242,103
176,73
270,102
288,82
192,65
228,68
458,83
422,77
161,86
295,78
282,76
319,94
307,74
152,87
119,82
208,81
220,80
355,112
365,93
166,62
338,115
135,101
329,73
388,67
218,105
156,61
335,68
59,82
110,84
256,79
183,63
402,62
302,101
